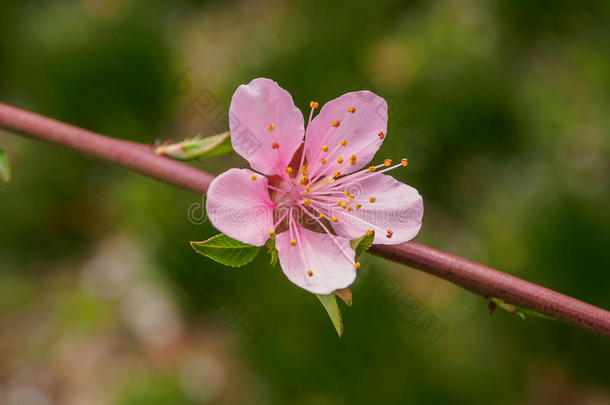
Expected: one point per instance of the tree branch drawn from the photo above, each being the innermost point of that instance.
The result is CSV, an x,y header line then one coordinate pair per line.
x,y
472,276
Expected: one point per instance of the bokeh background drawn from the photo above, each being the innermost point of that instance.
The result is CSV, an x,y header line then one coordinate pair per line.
x,y
502,108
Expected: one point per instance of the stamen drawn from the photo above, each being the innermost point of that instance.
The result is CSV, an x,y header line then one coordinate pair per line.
x,y
339,160
275,145
325,182
358,206
343,142
337,173
307,202
270,127
325,148
369,232
381,135
357,265
293,242
271,232
334,219
289,170
336,123
323,161
387,162
314,104
346,192
253,177
351,109
352,159
309,273
389,234
372,199
404,162
307,189
322,216
372,169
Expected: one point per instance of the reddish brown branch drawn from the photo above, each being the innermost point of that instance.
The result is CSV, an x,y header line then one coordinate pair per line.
x,y
472,276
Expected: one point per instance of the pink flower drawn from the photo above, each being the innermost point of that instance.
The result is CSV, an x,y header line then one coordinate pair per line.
x,y
313,196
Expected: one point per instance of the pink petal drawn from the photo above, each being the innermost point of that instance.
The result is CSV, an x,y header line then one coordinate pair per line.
x,y
331,262
397,207
360,129
255,109
240,207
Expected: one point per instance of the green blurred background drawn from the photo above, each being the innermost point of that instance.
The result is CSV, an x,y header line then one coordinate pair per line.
x,y
502,108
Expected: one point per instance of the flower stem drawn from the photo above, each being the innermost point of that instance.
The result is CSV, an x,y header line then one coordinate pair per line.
x,y
477,278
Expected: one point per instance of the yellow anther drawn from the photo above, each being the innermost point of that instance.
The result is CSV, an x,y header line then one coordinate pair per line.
x,y
325,148
307,189
323,161
351,109
253,177
339,160
293,242
314,104
387,162
343,142
322,216
275,145
289,170
307,202
334,219
404,162
337,173
389,234
304,181
305,169
271,232
358,206
372,199
309,273
372,169
351,197
336,123
348,208
346,192
368,232
357,265
341,203
352,159
270,127
381,135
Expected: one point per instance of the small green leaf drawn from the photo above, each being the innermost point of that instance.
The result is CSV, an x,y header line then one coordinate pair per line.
x,y
332,308
272,250
198,147
363,243
5,169
508,307
226,251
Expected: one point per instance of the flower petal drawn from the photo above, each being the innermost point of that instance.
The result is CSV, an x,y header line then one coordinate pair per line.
x,y
356,118
331,263
397,207
240,207
266,127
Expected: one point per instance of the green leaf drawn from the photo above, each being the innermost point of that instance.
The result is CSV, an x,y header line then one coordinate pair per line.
x,y
226,251
332,308
363,243
198,147
272,250
5,169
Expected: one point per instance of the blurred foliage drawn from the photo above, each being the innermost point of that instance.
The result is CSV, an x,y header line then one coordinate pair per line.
x,y
501,108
